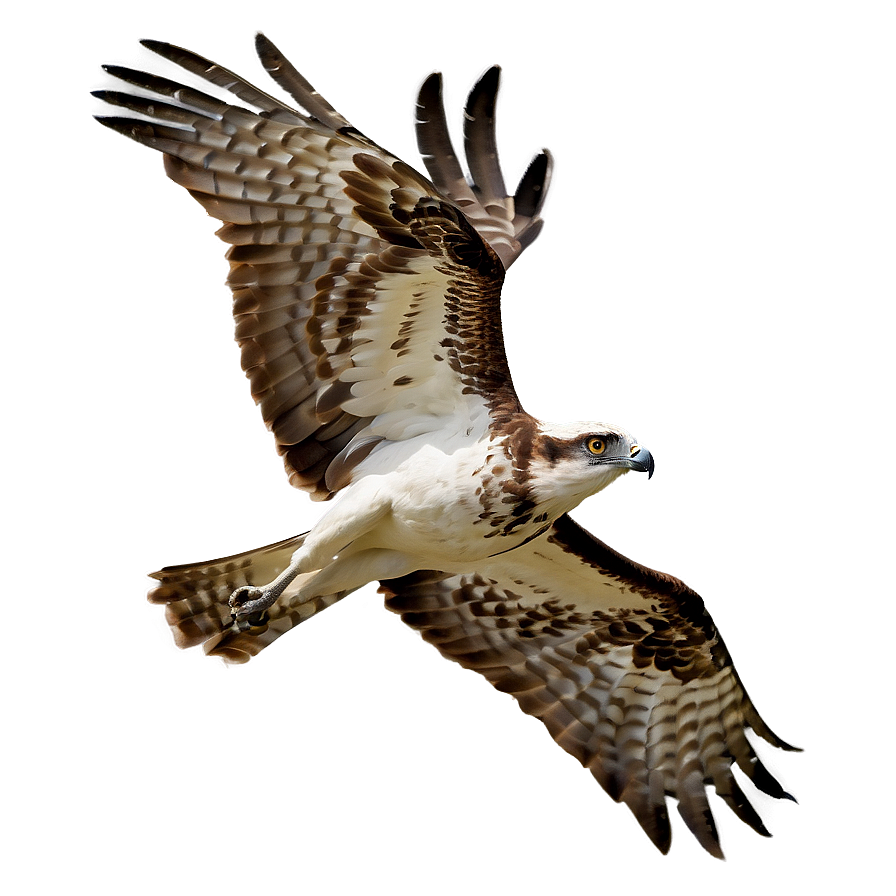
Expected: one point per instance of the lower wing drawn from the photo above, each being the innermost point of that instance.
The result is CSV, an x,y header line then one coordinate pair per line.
x,y
622,664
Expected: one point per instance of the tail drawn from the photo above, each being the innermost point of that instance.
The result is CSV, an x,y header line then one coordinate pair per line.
x,y
197,609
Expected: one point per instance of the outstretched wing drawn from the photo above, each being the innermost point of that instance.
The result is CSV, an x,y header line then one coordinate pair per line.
x,y
622,664
366,303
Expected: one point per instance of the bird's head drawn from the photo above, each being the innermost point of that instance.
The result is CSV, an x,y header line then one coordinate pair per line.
x,y
573,461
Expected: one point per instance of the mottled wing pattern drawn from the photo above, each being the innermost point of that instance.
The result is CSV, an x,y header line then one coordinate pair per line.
x,y
358,286
622,664
507,222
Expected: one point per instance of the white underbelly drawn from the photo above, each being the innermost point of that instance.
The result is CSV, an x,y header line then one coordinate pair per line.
x,y
438,510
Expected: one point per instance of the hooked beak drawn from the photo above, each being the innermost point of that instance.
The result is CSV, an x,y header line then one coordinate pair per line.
x,y
640,460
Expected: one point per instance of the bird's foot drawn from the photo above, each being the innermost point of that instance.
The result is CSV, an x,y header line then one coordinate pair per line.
x,y
249,601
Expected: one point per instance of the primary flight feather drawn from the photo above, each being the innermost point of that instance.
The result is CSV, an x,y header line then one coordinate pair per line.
x,y
366,302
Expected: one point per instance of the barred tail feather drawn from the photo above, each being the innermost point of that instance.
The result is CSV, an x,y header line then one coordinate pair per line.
x,y
196,598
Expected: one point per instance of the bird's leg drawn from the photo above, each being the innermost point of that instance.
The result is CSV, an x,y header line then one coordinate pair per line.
x,y
250,599
352,570
333,534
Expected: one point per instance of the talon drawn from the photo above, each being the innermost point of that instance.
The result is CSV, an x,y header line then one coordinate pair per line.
x,y
250,601
243,596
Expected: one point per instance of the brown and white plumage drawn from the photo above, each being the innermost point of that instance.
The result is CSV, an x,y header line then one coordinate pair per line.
x,y
621,663
320,268
366,302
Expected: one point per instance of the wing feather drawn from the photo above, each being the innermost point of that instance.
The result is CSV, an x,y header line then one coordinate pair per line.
x,y
222,77
366,303
529,199
296,85
434,143
479,140
508,223
622,664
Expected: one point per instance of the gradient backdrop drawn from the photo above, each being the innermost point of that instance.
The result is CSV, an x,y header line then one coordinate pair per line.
x,y
716,274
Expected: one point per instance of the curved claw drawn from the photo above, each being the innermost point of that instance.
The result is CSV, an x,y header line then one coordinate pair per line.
x,y
248,600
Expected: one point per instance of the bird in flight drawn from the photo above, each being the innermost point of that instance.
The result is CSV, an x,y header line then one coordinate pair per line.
x,y
366,303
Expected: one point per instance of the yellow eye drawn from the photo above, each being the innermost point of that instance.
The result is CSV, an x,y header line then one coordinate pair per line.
x,y
597,446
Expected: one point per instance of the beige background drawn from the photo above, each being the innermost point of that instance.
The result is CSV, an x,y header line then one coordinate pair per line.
x,y
716,274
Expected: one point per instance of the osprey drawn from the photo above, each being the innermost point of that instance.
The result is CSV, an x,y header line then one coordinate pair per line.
x,y
366,301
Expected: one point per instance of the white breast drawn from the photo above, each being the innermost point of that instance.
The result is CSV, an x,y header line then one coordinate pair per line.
x,y
438,499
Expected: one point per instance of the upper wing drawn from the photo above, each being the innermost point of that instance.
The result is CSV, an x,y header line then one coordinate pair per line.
x,y
366,304
508,223
622,664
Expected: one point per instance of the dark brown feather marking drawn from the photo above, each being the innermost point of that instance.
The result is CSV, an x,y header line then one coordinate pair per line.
x,y
643,694
292,189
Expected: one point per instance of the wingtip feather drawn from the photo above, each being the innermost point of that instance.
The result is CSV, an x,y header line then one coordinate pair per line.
x,y
533,186
491,74
155,45
264,46
484,93
140,131
431,86
479,137
737,801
